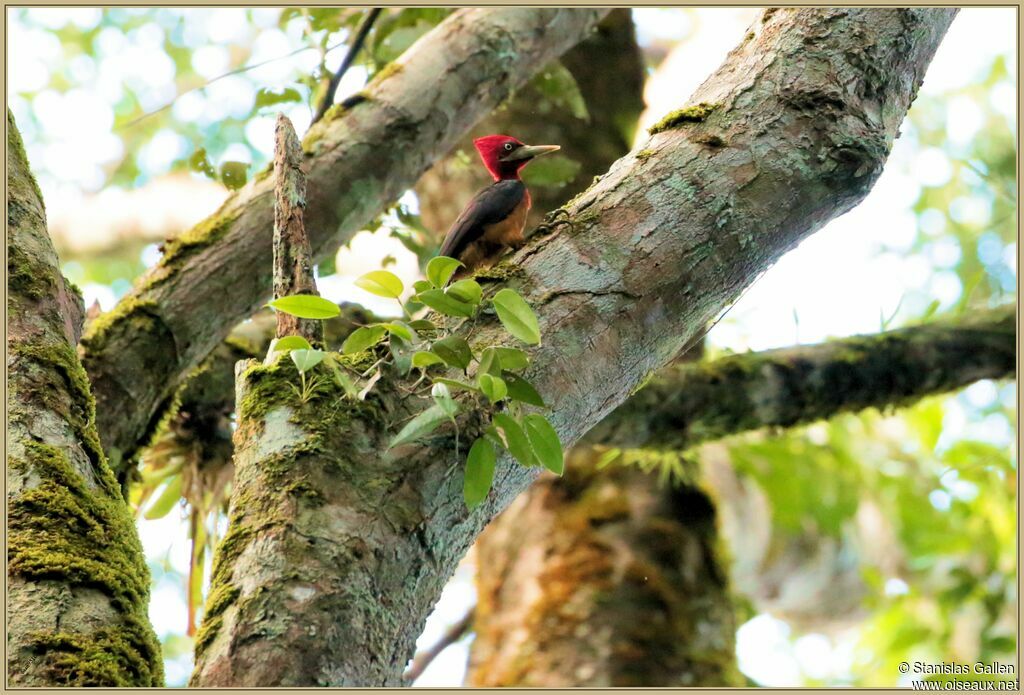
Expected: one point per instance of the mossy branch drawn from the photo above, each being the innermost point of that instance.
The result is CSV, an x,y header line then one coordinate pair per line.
x,y
78,585
691,403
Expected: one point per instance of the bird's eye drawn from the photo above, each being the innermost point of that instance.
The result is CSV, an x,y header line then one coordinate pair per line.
x,y
508,146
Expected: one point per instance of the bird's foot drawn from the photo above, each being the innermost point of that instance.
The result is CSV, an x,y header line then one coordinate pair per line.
x,y
554,220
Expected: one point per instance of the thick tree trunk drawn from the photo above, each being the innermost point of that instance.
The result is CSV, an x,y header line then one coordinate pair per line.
x,y
603,578
358,161
617,297
78,585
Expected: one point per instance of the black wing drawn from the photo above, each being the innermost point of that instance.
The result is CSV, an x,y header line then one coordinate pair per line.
x,y
492,204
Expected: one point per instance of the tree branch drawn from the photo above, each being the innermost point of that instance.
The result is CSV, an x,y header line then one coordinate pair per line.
x,y
358,161
293,266
357,44
337,548
452,635
691,403
78,585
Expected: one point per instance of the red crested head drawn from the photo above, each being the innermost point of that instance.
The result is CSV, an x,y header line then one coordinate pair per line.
x,y
504,156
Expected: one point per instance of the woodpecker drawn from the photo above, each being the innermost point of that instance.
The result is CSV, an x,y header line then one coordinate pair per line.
x,y
494,219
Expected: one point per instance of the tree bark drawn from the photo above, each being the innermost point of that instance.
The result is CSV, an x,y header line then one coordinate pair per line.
x,y
338,548
78,585
687,404
293,263
618,582
359,160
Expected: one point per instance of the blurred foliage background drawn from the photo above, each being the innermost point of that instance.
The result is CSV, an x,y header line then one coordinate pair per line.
x,y
138,121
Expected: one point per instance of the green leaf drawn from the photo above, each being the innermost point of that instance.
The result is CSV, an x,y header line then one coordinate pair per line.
x,y
479,472
422,325
363,338
440,270
445,304
515,439
291,342
420,426
341,377
513,359
269,97
454,351
399,330
443,397
517,316
199,163
544,440
421,286
381,283
456,384
234,174
306,306
422,359
167,499
519,389
493,387
468,291
489,362
306,359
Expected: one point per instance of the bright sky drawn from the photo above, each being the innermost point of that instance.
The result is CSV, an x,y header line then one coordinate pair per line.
x,y
836,283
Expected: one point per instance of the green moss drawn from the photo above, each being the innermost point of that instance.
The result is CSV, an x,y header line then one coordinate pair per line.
x,y
104,658
26,277
79,409
644,155
64,530
205,234
220,598
498,273
690,114
16,180
139,315
392,68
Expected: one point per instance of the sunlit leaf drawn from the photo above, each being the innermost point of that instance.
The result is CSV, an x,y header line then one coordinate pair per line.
x,y
306,306
381,283
362,338
441,269
291,342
